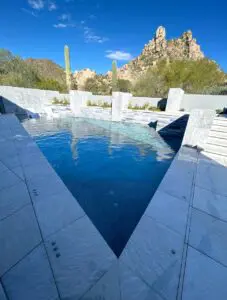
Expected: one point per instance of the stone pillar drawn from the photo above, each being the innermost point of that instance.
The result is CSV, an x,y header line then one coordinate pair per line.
x,y
198,127
120,103
78,99
175,98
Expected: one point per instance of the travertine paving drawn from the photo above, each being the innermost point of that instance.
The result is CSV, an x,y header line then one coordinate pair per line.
x,y
49,249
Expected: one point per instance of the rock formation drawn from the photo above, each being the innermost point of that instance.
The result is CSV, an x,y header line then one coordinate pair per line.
x,y
82,75
158,48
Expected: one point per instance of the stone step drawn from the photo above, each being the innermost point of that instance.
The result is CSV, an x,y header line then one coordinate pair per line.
x,y
220,150
219,128
220,122
217,141
218,134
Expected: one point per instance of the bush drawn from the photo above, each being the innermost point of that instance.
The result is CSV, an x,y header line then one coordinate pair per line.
x,y
99,104
124,86
97,85
191,76
57,101
146,106
50,84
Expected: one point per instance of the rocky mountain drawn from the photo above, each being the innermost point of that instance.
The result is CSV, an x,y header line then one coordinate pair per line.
x,y
158,48
47,69
182,48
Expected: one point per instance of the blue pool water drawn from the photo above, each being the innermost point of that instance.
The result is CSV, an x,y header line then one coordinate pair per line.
x,y
112,169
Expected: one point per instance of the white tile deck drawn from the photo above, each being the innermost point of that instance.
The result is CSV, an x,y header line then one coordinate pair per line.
x,y
108,287
79,257
19,234
212,177
154,253
134,288
211,203
31,278
204,278
66,210
208,235
13,198
164,208
8,179
79,263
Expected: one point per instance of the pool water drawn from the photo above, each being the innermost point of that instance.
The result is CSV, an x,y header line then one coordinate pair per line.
x,y
112,169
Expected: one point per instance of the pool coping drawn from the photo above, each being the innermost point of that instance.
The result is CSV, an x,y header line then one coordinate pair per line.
x,y
156,263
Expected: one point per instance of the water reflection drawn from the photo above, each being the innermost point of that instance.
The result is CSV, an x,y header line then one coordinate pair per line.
x,y
112,169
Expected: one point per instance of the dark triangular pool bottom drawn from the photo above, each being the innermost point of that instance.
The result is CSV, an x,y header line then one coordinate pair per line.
x,y
115,208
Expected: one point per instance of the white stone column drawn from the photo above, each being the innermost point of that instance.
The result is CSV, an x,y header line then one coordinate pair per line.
x,y
120,103
175,98
78,100
198,127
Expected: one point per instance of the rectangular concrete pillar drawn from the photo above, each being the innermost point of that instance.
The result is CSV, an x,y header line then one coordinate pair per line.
x,y
175,98
198,127
78,100
120,102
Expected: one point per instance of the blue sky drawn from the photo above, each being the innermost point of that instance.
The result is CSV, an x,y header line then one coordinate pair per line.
x,y
96,29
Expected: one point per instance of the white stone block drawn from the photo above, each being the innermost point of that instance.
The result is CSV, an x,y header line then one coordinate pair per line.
x,y
120,102
198,128
175,98
78,100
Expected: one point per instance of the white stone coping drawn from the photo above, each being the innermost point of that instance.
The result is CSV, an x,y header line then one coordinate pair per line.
x,y
175,246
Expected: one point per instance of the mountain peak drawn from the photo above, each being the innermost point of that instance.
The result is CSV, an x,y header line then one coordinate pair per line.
x,y
182,48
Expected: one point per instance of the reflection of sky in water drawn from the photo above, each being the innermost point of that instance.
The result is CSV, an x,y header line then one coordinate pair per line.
x,y
113,169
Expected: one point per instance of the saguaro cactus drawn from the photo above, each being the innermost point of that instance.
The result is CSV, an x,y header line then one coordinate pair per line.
x,y
67,67
114,76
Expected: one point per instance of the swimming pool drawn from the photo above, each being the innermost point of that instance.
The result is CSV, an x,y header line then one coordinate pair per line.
x,y
112,169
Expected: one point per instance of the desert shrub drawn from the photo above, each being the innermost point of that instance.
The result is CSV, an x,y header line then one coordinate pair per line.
x,y
57,101
124,86
191,76
97,85
99,104
146,106
50,84
216,90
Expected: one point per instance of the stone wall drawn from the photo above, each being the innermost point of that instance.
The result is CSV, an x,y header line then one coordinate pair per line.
x,y
190,102
16,100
